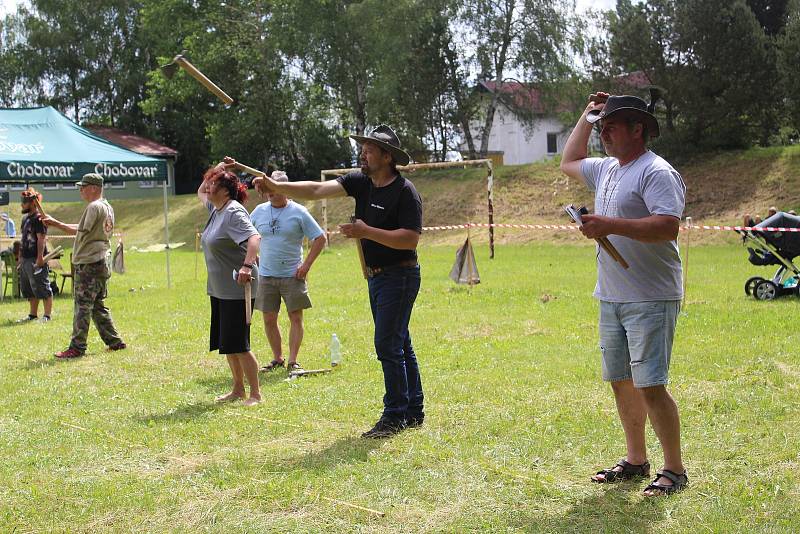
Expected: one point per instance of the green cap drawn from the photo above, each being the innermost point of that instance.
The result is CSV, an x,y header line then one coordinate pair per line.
x,y
91,179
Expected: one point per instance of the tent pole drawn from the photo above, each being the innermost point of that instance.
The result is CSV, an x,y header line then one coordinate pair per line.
x,y
324,213
490,198
166,222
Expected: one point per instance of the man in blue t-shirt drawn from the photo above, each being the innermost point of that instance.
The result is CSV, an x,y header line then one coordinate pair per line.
x,y
388,223
282,271
639,201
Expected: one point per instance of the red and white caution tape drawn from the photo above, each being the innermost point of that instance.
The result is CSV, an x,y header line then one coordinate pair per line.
x,y
73,237
572,227
741,228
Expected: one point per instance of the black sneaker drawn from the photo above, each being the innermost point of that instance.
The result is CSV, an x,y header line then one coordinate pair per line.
x,y
384,428
27,319
415,421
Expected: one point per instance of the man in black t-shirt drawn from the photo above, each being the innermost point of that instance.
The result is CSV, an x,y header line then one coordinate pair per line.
x,y
33,270
388,222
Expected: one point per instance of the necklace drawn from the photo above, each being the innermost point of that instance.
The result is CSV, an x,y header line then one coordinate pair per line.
x,y
273,223
607,197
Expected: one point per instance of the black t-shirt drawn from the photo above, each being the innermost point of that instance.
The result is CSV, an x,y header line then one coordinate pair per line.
x,y
391,207
31,225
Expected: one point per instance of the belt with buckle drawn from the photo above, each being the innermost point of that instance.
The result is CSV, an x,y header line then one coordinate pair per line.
x,y
373,271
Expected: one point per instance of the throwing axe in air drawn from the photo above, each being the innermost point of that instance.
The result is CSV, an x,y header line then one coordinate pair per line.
x,y
180,61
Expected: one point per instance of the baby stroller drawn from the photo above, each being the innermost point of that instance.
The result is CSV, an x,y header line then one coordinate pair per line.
x,y
774,248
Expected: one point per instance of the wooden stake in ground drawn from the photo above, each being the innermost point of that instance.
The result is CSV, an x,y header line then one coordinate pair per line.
x,y
686,259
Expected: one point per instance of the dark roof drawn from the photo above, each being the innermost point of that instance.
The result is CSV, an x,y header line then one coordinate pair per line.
x,y
135,143
635,80
528,97
524,97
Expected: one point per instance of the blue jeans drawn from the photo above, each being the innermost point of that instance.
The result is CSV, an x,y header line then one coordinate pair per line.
x,y
391,296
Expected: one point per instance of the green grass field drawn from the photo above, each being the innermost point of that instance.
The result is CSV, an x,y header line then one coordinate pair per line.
x,y
518,418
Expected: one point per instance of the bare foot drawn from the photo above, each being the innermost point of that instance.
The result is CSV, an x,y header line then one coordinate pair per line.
x,y
252,401
230,397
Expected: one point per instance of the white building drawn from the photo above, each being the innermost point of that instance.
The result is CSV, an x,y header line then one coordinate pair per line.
x,y
511,141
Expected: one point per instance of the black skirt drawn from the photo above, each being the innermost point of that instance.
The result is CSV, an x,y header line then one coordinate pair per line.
x,y
229,333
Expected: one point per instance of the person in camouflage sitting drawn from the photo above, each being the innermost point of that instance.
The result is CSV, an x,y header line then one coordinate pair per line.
x,y
89,257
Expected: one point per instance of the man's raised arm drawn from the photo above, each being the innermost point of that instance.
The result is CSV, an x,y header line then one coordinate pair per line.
x,y
576,149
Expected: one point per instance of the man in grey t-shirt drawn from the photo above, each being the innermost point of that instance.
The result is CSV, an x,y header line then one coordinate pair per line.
x,y
639,200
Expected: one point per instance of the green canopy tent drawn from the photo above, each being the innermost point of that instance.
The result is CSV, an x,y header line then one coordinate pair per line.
x,y
40,145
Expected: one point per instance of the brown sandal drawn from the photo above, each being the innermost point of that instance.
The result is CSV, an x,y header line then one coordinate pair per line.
x,y
679,482
271,366
628,472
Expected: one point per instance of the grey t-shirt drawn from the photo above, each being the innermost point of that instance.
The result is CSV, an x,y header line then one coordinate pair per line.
x,y
647,186
224,241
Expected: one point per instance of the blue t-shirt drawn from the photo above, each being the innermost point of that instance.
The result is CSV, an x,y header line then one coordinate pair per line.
x,y
282,231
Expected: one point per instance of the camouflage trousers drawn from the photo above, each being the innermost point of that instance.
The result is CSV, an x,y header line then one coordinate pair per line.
x,y
90,292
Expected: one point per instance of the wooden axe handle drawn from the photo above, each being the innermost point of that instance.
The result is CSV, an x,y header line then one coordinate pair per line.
x,y
305,372
249,170
53,253
613,252
248,305
360,250
38,206
200,77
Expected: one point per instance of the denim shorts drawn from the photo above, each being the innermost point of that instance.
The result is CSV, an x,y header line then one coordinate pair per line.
x,y
636,340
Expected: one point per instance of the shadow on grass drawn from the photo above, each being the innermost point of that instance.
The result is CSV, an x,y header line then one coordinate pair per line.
x,y
618,509
344,450
221,383
41,363
181,413
9,323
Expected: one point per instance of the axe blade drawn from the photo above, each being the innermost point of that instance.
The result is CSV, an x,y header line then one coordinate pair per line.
x,y
169,70
172,67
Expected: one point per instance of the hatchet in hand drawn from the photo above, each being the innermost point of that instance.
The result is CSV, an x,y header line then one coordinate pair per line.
x,y
575,214
248,296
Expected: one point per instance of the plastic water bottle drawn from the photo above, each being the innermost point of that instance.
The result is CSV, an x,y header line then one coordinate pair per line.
x,y
336,351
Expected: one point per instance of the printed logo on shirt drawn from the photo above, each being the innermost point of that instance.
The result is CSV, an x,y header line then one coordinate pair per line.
x,y
376,206
108,226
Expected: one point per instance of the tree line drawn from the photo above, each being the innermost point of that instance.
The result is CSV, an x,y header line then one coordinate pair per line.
x,y
308,72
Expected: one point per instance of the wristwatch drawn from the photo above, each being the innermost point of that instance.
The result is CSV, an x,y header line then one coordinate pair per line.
x,y
250,266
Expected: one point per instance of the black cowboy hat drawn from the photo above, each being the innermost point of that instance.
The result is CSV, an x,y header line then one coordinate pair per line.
x,y
384,137
616,103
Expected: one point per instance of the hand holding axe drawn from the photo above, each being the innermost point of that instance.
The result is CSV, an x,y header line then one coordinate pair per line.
x,y
360,249
248,296
575,215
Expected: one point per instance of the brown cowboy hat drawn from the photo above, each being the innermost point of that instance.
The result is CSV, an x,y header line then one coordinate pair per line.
x,y
617,103
384,137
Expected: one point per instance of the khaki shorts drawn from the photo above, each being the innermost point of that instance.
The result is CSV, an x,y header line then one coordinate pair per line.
x,y
271,289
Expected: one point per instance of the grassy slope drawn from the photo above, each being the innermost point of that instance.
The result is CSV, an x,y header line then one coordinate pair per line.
x,y
517,416
721,188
